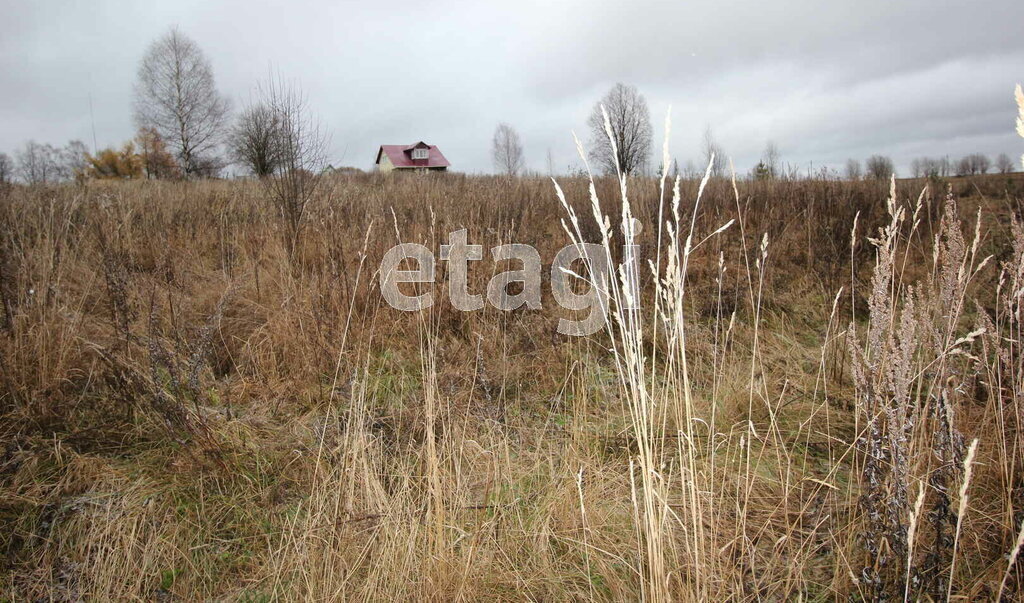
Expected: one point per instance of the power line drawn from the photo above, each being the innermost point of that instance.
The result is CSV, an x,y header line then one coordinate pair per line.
x,y
92,116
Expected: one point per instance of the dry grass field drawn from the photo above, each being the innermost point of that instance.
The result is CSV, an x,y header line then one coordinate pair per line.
x,y
823,400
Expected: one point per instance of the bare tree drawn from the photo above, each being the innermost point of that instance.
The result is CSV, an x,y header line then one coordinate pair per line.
x,y
1004,164
253,141
176,96
301,153
770,159
209,166
963,167
713,152
926,167
880,167
551,163
981,163
853,171
507,150
916,168
630,124
38,163
6,169
73,161
975,163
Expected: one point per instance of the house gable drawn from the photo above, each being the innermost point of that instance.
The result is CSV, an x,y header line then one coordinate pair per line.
x,y
417,156
383,163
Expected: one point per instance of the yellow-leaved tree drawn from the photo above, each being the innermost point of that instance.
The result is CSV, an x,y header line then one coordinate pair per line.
x,y
157,161
111,164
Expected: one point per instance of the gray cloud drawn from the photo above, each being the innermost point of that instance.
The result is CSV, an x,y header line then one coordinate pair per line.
x,y
826,81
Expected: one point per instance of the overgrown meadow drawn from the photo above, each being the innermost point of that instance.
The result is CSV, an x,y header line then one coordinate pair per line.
x,y
820,395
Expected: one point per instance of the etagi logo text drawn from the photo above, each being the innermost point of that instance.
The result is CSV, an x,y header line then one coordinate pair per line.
x,y
458,253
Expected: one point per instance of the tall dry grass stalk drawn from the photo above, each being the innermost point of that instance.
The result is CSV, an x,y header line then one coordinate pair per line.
x,y
960,513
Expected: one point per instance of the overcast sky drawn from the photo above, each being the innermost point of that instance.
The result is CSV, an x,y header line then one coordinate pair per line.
x,y
826,80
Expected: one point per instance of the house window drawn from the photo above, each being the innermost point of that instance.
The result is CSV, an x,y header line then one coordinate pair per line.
x,y
420,153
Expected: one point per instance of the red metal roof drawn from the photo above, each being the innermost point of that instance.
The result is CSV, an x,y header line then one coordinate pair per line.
x,y
401,155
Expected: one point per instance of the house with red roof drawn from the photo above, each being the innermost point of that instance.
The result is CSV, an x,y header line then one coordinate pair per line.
x,y
418,157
